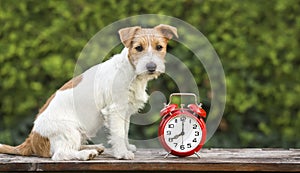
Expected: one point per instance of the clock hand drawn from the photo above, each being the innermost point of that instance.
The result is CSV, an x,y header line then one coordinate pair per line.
x,y
176,136
182,131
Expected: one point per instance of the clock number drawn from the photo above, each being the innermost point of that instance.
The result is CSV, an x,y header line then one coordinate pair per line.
x,y
195,140
176,144
171,125
196,133
176,120
182,119
194,126
182,147
168,132
170,139
189,145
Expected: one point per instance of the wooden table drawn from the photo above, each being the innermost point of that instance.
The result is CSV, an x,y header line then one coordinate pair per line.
x,y
276,160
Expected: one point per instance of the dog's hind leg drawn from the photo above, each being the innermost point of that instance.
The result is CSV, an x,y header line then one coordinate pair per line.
x,y
67,147
63,154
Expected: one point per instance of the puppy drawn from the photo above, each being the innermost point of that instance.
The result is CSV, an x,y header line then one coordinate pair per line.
x,y
106,94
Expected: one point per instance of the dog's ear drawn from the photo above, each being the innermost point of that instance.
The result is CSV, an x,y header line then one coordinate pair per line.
x,y
167,30
126,35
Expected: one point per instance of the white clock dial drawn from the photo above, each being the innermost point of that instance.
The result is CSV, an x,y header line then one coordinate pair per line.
x,y
182,133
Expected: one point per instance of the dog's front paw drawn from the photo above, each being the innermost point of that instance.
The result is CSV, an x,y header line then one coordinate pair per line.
x,y
127,155
131,147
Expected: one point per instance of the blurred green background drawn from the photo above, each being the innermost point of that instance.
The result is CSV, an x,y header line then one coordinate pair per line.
x,y
257,41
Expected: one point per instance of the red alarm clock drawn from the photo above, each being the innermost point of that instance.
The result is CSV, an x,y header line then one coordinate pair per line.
x,y
182,131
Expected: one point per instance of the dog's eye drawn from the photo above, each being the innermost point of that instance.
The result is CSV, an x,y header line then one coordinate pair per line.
x,y
159,47
139,48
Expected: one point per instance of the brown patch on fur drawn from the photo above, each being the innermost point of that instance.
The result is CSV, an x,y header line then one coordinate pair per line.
x,y
46,104
40,145
71,83
126,35
6,149
167,30
25,148
35,144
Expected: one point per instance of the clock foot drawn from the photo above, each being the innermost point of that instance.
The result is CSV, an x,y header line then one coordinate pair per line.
x,y
197,154
167,155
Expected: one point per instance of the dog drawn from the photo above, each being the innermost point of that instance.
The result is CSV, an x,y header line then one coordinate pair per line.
x,y
106,94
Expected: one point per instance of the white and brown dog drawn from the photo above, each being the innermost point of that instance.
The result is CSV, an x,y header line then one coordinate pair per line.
x,y
106,94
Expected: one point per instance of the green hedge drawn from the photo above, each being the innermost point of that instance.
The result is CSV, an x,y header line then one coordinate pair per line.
x,y
257,41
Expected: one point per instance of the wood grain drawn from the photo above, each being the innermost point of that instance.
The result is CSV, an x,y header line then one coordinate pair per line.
x,y
275,160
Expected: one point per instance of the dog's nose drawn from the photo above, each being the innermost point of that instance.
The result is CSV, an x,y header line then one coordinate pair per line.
x,y
151,67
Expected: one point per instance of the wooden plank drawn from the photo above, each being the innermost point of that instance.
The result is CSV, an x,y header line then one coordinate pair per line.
x,y
276,160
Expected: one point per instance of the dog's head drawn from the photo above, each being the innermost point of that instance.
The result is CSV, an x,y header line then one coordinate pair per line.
x,y
147,47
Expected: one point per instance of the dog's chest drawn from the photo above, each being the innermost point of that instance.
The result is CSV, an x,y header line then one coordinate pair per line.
x,y
137,94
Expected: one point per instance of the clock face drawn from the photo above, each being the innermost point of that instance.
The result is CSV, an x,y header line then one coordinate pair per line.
x,y
182,133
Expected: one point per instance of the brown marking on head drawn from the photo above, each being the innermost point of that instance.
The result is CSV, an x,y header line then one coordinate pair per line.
x,y
167,30
126,34
140,41
71,83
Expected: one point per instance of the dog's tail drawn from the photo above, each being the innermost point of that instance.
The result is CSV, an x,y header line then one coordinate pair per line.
x,y
23,149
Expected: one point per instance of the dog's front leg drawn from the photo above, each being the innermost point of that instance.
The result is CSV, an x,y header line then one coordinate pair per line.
x,y
129,146
116,123
118,138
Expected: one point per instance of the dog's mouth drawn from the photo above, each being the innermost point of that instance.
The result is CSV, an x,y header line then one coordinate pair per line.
x,y
150,74
155,72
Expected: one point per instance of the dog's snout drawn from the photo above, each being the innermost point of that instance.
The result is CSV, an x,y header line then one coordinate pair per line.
x,y
151,67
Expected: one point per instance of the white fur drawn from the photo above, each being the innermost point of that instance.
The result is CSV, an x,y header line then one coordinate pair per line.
x,y
107,95
140,67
